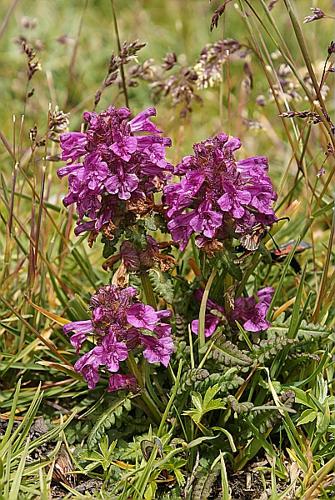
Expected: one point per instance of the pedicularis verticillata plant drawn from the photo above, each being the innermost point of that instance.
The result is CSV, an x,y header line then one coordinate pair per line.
x,y
118,178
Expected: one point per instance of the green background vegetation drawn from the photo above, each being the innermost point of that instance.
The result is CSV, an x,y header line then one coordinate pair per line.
x,y
44,264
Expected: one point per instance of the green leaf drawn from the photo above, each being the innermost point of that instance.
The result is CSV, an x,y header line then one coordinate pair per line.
x,y
202,312
107,419
14,491
150,491
205,405
278,290
200,440
210,394
304,398
224,480
229,436
307,416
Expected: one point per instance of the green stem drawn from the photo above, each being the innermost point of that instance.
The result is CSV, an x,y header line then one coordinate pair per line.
x,y
153,411
123,78
151,300
173,395
252,266
324,279
148,290
147,399
147,381
302,44
195,251
202,313
228,281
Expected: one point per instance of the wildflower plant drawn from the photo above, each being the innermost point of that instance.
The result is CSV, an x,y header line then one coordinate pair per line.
x,y
173,321
120,323
114,170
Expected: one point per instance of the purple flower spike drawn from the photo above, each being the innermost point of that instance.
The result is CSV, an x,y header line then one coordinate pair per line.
x,y
122,164
120,324
218,197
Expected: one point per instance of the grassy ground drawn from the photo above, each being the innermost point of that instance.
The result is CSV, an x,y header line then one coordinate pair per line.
x,y
275,435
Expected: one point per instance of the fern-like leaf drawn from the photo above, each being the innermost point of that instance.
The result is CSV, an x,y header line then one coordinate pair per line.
x,y
267,349
190,377
307,331
238,407
107,419
204,484
227,381
162,285
266,419
230,355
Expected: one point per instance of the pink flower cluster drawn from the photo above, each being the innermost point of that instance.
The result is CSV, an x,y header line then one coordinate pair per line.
x,y
218,196
120,323
122,163
114,168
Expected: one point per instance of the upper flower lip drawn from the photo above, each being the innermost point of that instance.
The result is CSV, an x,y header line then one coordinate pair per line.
x,y
141,122
73,145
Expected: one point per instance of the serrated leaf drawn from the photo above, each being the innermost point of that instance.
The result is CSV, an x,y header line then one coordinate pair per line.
x,y
236,356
